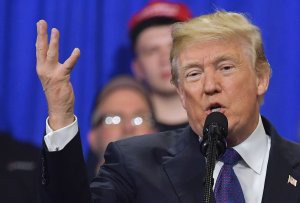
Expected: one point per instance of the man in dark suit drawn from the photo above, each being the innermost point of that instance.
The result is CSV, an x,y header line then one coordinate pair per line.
x,y
218,64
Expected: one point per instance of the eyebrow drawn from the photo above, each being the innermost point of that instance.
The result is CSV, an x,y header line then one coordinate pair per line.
x,y
215,61
225,57
191,65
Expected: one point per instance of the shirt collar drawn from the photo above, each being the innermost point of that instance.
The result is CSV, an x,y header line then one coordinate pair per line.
x,y
254,148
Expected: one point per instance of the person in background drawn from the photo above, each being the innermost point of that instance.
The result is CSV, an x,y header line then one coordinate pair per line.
x,y
19,171
122,109
150,34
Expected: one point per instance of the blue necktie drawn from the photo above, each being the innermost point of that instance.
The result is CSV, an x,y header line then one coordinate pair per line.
x,y
228,188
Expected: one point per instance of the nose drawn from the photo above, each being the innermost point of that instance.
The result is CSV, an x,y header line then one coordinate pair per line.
x,y
164,56
211,83
128,128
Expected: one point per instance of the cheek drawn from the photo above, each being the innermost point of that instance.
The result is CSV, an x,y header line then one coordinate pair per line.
x,y
144,130
243,86
109,135
182,98
149,72
138,132
193,103
241,101
148,62
192,96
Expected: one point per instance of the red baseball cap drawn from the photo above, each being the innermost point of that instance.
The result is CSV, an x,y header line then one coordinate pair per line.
x,y
157,13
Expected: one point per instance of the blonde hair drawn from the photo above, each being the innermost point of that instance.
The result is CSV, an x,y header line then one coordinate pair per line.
x,y
220,25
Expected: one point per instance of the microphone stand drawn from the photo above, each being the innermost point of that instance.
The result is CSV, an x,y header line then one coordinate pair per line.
x,y
210,164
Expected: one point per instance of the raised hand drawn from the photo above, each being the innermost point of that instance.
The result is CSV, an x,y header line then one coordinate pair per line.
x,y
55,77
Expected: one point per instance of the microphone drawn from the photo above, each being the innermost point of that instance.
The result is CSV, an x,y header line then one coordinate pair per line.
x,y
213,146
215,129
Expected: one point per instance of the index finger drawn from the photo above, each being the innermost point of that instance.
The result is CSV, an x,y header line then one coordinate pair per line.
x,y
41,41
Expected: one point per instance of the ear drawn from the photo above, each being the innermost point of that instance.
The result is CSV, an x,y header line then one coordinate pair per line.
x,y
181,95
137,70
263,80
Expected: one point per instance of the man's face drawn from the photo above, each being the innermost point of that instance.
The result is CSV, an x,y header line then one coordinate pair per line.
x,y
152,63
220,75
121,113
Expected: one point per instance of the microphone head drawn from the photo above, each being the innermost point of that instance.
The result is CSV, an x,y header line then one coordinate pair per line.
x,y
215,127
216,118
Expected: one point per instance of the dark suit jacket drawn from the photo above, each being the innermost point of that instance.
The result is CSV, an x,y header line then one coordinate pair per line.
x,y
18,171
161,168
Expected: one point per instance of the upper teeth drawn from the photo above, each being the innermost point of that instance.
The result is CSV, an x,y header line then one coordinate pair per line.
x,y
216,109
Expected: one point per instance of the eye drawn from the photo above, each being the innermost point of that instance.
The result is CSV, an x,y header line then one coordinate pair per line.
x,y
227,68
150,51
112,120
193,75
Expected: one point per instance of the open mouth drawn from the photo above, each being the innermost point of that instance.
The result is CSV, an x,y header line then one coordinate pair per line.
x,y
214,108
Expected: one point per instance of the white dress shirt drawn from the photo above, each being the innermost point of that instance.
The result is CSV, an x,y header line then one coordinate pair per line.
x,y
251,171
57,140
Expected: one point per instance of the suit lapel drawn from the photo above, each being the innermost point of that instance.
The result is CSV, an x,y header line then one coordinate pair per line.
x,y
281,164
186,167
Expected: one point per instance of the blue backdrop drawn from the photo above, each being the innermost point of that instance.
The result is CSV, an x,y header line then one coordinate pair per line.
x,y
99,29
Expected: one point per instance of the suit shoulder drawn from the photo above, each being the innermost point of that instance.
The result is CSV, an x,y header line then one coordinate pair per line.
x,y
293,146
289,145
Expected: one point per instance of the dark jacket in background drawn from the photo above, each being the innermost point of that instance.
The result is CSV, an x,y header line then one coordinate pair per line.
x,y
18,171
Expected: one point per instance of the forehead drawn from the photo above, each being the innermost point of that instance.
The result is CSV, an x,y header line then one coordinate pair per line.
x,y
213,51
154,34
124,100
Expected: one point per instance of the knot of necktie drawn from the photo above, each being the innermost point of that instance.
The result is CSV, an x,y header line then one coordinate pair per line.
x,y
231,157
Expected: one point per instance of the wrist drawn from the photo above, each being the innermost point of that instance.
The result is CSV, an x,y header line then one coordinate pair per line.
x,y
60,120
